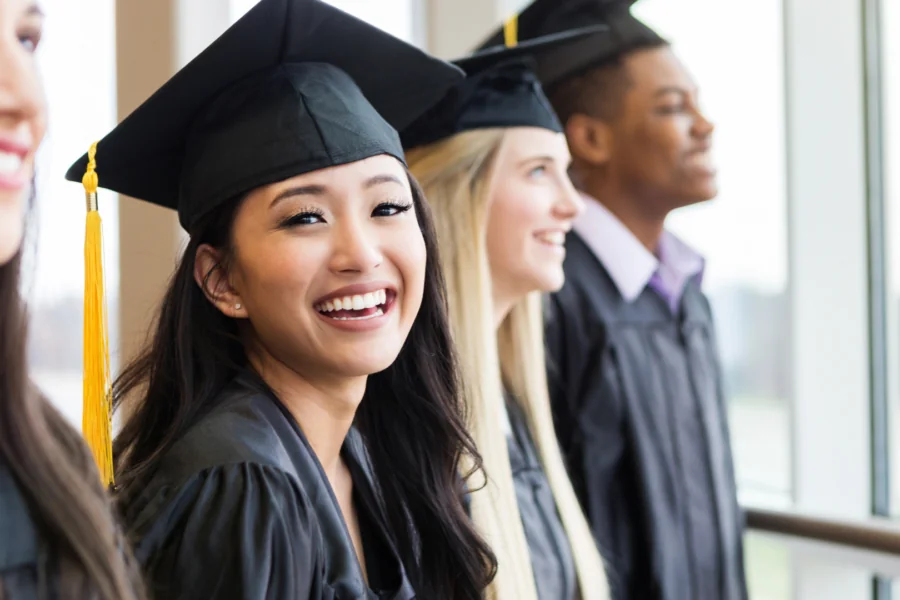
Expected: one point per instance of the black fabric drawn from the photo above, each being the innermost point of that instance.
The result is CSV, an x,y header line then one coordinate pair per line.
x,y
241,509
501,89
548,544
547,17
640,413
292,87
22,556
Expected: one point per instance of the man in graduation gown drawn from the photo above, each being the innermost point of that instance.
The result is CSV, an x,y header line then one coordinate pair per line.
x,y
634,371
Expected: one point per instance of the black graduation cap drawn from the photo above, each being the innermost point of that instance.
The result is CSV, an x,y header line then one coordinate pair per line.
x,y
502,89
292,87
546,17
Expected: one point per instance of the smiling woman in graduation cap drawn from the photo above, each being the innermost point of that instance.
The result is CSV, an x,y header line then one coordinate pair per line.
x,y
492,160
297,430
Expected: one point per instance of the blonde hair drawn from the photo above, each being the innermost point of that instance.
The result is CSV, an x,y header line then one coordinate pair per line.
x,y
457,176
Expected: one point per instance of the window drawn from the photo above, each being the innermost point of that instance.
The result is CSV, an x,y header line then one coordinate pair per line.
x,y
77,34
891,83
743,233
397,17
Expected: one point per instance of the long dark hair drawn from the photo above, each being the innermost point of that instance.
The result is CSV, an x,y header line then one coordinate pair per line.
x,y
411,417
56,474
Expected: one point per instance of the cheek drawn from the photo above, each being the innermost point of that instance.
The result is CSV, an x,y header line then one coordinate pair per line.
x,y
658,146
39,128
514,215
276,274
404,246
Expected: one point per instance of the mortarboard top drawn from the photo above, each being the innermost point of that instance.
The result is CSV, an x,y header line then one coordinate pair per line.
x,y
546,17
292,87
502,89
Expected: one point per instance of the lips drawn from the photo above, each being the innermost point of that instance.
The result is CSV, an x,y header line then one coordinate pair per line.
x,y
359,302
13,169
701,160
355,302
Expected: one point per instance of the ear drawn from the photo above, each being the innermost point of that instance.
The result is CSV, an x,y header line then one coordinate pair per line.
x,y
213,278
590,139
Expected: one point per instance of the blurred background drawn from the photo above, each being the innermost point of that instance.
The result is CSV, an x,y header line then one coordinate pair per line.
x,y
803,266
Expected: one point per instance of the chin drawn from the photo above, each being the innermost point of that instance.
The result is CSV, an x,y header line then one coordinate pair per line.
x,y
366,362
551,280
694,196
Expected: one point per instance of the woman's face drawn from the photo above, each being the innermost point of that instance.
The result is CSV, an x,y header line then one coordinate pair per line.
x,y
532,206
23,116
329,268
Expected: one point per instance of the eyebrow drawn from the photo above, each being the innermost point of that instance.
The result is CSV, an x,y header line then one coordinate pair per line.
x,y
541,158
321,190
306,190
379,179
34,11
672,89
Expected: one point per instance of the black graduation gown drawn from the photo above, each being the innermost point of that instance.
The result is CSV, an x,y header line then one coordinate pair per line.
x,y
640,412
23,556
548,544
240,509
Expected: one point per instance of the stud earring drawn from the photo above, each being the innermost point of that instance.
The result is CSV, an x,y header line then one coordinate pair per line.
x,y
237,306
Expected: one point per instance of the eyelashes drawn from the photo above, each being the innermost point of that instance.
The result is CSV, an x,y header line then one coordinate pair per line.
x,y
389,209
312,215
306,216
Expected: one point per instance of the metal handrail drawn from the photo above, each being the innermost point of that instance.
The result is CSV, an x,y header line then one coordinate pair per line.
x,y
878,535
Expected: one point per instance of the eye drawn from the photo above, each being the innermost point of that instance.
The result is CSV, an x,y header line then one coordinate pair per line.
x,y
672,109
308,216
538,172
30,39
390,209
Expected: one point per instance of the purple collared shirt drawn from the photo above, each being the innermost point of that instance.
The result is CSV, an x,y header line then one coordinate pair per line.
x,y
630,265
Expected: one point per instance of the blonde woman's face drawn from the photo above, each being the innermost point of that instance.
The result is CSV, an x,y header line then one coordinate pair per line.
x,y
532,206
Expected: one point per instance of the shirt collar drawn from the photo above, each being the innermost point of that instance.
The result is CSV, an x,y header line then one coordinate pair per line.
x,y
629,264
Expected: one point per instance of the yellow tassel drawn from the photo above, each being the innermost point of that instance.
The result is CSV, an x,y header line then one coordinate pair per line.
x,y
96,419
511,31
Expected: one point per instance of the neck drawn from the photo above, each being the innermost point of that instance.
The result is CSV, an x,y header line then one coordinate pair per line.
x,y
323,408
503,304
630,208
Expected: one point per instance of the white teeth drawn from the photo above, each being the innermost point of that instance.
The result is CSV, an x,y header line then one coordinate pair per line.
x,y
377,313
358,302
10,163
553,237
702,160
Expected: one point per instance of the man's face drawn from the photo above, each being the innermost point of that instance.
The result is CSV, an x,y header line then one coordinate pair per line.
x,y
659,140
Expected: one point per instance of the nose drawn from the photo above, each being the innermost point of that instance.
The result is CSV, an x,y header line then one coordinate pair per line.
x,y
569,203
21,96
702,127
356,247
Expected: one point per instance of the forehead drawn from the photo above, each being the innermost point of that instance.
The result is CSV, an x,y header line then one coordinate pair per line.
x,y
521,142
655,68
350,175
11,9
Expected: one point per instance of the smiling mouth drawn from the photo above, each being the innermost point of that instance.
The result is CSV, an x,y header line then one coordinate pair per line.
x,y
359,307
551,238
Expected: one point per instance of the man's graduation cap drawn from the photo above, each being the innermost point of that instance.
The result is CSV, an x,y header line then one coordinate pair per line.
x,y
547,17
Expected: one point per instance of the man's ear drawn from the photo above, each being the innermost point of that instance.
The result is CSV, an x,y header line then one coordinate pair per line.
x,y
590,139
